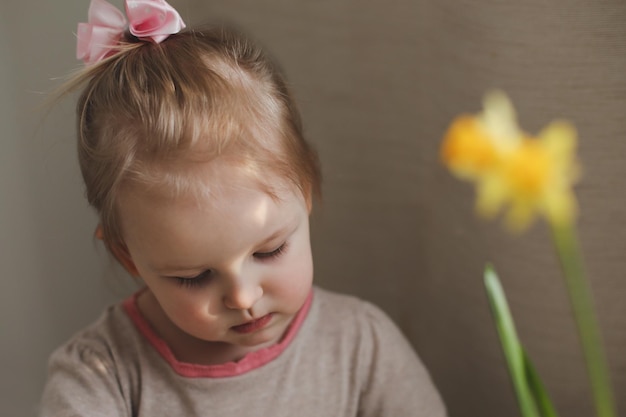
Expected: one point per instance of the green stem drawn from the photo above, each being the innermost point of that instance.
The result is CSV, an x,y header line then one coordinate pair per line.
x,y
564,237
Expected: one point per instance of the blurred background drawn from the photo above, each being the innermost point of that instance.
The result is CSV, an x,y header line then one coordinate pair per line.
x,y
378,82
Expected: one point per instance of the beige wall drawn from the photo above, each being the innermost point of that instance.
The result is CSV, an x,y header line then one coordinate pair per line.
x,y
54,280
377,82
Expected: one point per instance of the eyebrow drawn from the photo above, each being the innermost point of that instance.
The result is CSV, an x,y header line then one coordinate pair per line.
x,y
274,235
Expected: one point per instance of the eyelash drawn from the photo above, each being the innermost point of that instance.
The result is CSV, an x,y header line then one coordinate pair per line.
x,y
205,276
193,282
273,254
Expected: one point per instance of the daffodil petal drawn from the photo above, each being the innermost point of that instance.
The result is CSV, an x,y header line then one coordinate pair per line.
x,y
491,193
560,207
559,138
500,120
519,216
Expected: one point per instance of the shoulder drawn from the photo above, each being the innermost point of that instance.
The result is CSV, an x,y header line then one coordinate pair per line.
x,y
349,311
378,354
104,337
88,367
344,303
340,319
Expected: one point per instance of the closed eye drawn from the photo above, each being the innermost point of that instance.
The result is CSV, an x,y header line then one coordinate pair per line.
x,y
196,281
272,254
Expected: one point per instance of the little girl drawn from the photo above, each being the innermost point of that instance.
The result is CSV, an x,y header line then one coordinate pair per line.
x,y
192,153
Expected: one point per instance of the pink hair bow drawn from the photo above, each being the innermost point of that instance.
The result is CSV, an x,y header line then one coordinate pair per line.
x,y
149,20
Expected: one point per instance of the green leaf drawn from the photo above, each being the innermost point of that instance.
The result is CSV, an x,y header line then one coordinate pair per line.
x,y
531,395
546,409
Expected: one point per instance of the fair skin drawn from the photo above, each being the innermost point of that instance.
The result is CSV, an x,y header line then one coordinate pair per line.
x,y
225,271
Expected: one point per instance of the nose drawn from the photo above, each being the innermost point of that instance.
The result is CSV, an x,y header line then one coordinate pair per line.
x,y
242,295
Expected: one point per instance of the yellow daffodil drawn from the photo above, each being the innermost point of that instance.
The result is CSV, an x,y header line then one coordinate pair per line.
x,y
510,168
529,176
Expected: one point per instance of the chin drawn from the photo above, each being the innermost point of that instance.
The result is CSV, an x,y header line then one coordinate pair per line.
x,y
261,339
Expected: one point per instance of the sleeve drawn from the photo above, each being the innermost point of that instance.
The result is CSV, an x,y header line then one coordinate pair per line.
x,y
395,383
82,382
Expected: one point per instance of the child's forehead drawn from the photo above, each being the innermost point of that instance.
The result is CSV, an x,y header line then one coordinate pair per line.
x,y
222,180
217,204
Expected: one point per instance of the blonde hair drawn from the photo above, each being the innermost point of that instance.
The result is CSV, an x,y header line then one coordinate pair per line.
x,y
150,111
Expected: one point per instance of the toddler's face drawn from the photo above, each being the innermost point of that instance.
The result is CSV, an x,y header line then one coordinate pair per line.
x,y
233,267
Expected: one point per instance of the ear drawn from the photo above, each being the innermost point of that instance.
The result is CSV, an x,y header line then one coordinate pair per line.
x,y
120,252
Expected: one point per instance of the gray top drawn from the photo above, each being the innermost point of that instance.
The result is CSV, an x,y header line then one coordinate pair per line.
x,y
343,357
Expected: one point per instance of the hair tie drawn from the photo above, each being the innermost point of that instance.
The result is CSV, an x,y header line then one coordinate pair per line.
x,y
149,20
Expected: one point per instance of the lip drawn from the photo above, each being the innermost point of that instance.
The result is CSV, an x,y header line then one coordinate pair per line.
x,y
254,325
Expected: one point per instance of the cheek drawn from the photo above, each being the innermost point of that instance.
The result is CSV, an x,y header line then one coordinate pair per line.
x,y
182,306
304,267
296,276
191,316
185,310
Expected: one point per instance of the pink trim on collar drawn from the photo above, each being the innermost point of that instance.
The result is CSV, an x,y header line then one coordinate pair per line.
x,y
249,362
